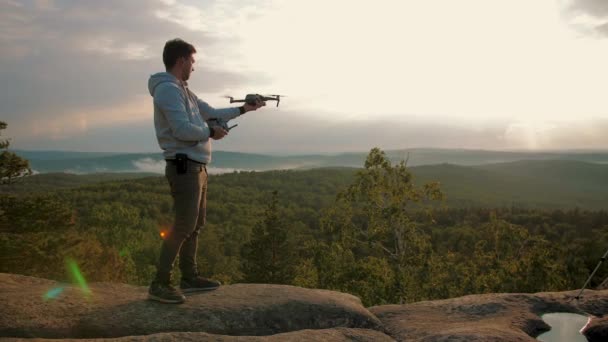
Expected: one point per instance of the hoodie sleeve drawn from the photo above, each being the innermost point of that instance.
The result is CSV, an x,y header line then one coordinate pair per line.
x,y
209,112
171,102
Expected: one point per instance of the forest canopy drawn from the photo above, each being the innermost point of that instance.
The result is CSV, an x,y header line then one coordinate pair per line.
x,y
374,232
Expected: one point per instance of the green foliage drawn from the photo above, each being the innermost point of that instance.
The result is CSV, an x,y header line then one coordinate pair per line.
x,y
268,257
42,254
546,184
46,182
306,274
219,254
372,279
3,143
509,259
34,214
371,219
11,165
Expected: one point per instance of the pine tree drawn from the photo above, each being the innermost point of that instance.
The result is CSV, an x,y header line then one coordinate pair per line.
x,y
3,143
371,219
11,165
268,257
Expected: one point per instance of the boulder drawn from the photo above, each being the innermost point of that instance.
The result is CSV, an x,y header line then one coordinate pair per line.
x,y
116,310
488,317
326,335
597,329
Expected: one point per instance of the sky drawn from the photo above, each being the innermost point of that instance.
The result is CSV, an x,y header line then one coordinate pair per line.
x,y
475,74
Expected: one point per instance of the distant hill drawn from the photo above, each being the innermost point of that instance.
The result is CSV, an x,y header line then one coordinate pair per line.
x,y
59,180
529,183
62,155
85,162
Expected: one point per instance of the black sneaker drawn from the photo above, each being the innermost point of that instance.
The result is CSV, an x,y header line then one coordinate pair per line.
x,y
198,284
165,294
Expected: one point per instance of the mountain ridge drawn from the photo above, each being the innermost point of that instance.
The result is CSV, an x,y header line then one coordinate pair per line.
x,y
85,162
536,183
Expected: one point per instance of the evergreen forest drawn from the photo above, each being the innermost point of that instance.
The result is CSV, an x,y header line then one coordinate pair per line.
x,y
378,232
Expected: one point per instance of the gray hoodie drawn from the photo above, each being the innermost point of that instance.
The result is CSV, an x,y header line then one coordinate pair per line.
x,y
180,118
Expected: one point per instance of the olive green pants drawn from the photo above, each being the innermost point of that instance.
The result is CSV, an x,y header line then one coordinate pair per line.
x,y
189,192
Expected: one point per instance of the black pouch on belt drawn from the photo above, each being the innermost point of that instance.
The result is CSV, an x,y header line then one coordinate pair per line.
x,y
181,162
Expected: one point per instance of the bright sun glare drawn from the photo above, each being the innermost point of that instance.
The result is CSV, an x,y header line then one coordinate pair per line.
x,y
450,59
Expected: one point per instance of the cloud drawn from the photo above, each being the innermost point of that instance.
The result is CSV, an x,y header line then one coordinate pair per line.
x,y
568,134
67,56
588,16
283,131
150,165
74,72
596,8
221,170
184,15
69,123
158,166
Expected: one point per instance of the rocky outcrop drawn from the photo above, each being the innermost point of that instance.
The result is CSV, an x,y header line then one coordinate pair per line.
x,y
329,335
116,310
489,317
258,312
597,329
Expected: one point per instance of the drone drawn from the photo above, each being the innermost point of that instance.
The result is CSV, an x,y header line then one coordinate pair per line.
x,y
253,98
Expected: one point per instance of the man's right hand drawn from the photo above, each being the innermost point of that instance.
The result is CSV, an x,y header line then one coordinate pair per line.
x,y
218,133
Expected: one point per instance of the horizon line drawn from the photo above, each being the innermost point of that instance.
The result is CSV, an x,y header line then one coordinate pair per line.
x,y
527,151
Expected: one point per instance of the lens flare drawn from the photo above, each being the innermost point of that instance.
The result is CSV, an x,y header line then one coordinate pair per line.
x,y
53,293
163,234
77,276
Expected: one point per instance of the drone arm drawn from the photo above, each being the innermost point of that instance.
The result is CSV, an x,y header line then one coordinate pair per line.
x,y
271,98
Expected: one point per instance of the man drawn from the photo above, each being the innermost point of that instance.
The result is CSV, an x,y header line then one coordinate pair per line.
x,y
180,120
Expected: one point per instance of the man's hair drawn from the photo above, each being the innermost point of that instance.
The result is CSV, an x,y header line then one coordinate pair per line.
x,y
175,49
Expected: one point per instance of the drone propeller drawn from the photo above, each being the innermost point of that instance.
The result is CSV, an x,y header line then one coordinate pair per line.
x,y
277,98
231,98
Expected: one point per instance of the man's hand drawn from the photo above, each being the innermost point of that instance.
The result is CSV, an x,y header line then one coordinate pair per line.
x,y
218,133
258,103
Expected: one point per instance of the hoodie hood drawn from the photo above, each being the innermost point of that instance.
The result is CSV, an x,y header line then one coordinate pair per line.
x,y
158,78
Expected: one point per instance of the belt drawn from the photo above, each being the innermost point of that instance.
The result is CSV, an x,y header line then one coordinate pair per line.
x,y
173,161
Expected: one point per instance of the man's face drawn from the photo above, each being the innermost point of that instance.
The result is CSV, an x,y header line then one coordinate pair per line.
x,y
187,67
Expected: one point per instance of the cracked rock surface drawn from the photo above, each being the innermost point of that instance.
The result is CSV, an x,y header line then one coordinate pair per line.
x,y
261,312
